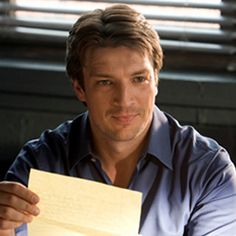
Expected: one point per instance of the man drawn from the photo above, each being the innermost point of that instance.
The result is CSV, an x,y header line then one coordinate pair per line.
x,y
187,180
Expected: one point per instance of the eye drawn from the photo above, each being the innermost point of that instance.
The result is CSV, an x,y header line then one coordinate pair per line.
x,y
139,79
104,82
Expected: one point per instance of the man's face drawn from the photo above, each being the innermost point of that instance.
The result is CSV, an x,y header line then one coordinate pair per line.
x,y
119,90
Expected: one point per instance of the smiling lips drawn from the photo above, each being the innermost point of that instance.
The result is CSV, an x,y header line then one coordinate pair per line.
x,y
125,119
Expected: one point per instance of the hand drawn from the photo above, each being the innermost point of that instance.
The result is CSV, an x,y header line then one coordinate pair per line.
x,y
17,205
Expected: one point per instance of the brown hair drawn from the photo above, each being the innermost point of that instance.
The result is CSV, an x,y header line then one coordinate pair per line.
x,y
118,25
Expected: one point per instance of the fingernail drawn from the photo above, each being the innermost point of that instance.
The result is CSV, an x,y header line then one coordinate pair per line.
x,y
36,211
35,199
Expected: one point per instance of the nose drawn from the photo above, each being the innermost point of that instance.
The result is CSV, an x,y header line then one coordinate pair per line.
x,y
123,95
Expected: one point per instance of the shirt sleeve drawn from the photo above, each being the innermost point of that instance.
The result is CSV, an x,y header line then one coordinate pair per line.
x,y
39,154
215,211
22,231
47,153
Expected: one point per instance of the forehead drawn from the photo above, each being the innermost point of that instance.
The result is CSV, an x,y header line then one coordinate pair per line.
x,y
117,57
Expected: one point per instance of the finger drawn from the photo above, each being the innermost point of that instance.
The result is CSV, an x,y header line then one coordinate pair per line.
x,y
20,191
11,215
7,232
13,201
8,225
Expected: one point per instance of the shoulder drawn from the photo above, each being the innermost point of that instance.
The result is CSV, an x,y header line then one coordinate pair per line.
x,y
182,145
49,152
61,135
187,140
201,159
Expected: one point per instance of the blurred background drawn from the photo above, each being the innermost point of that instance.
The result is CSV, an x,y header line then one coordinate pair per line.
x,y
197,84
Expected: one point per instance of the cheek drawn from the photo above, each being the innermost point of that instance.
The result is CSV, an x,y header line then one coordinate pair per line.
x,y
150,98
149,93
97,102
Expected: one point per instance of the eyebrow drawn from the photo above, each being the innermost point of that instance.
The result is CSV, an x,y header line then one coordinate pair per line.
x,y
142,71
102,75
105,75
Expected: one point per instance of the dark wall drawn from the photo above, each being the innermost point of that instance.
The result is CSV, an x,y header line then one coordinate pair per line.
x,y
38,96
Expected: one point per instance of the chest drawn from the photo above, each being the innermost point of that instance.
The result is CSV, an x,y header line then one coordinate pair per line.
x,y
166,206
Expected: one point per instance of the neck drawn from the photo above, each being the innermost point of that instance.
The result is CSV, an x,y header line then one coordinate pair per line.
x,y
119,159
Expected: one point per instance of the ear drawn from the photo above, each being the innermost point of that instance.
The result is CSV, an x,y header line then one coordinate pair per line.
x,y
156,91
79,91
156,81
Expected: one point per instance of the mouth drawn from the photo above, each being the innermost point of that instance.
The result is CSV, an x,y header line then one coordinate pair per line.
x,y
125,119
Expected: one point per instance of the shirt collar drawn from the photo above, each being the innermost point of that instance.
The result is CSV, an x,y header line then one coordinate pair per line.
x,y
159,140
158,146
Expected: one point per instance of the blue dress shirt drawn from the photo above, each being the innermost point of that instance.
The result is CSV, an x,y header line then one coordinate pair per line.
x,y
188,181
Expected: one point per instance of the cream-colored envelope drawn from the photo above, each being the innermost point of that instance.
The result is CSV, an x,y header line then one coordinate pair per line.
x,y
72,206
